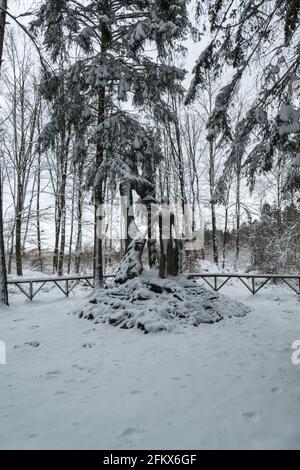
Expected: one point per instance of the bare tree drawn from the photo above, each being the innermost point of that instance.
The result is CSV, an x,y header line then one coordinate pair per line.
x,y
3,278
23,103
79,203
204,106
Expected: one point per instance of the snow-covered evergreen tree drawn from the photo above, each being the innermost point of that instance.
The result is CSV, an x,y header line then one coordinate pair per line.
x,y
261,37
116,51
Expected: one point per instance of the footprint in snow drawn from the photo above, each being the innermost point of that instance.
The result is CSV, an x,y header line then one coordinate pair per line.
x,y
52,373
130,432
88,345
34,344
276,390
87,369
252,416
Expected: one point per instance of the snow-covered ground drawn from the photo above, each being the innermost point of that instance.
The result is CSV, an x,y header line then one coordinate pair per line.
x,y
69,383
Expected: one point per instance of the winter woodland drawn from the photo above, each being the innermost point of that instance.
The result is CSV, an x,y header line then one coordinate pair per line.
x,y
115,117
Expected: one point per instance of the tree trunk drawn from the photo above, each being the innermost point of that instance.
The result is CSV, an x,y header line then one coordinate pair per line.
x,y
3,277
212,203
72,225
3,5
57,233
78,246
66,136
61,252
28,217
238,213
98,245
57,218
225,237
18,240
127,203
38,222
11,249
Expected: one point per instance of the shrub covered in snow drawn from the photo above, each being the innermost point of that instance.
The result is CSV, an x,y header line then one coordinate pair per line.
x,y
154,304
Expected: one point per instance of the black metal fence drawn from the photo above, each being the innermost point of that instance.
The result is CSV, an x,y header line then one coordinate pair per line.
x,y
253,282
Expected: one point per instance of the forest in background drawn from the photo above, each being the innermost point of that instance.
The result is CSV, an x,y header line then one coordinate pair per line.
x,y
48,154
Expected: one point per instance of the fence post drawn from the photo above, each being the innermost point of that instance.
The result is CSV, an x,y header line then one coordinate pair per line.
x,y
30,290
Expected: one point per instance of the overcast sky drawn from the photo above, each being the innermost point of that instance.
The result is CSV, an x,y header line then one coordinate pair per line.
x,y
18,7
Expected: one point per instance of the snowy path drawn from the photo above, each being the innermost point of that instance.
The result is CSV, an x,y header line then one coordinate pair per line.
x,y
80,385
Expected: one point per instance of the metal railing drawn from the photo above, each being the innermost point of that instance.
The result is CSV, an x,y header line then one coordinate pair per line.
x,y
214,280
253,287
65,283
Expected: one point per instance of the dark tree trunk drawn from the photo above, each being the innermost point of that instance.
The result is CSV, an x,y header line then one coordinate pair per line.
x,y
127,203
18,247
3,4
98,242
57,222
225,237
61,252
72,225
238,213
3,277
57,232
11,248
38,222
78,246
62,198
212,203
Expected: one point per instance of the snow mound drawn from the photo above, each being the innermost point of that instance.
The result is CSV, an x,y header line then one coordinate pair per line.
x,y
153,304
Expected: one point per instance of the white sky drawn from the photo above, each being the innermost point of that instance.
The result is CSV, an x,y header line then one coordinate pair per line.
x,y
18,7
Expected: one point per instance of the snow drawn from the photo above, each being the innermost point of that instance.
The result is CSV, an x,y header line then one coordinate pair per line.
x,y
296,162
69,383
153,304
137,35
290,119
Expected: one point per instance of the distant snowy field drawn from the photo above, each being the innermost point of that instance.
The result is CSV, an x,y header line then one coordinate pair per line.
x,y
70,384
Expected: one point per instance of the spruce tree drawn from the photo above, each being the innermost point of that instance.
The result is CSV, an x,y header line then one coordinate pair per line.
x,y
258,37
105,44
